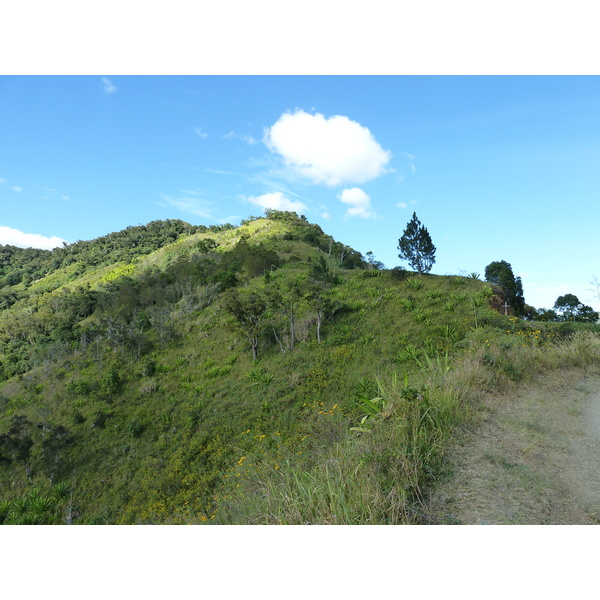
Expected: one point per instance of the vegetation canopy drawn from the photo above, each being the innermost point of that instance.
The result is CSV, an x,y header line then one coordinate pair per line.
x,y
501,274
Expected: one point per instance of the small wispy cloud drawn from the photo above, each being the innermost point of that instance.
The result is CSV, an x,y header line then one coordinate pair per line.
x,y
2,180
232,135
275,180
198,131
401,205
108,86
16,188
411,161
219,172
14,237
325,214
359,201
231,219
192,205
50,193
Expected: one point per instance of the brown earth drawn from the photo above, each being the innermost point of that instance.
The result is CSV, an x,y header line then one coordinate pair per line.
x,y
532,457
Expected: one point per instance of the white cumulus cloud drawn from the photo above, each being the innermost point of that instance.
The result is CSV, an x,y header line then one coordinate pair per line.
x,y
198,131
331,151
108,86
14,237
277,201
359,201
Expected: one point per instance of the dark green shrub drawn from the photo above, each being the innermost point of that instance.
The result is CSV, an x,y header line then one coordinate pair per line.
x,y
78,418
81,387
399,273
148,368
111,382
135,428
99,420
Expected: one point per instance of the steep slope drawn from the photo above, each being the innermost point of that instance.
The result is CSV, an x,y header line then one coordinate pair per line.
x,y
134,382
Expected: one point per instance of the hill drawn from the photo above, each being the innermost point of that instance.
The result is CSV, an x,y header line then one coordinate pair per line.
x,y
265,373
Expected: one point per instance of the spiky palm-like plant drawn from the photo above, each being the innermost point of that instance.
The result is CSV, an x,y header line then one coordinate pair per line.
x,y
41,506
62,490
5,508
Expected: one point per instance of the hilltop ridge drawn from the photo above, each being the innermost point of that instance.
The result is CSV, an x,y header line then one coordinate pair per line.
x,y
178,379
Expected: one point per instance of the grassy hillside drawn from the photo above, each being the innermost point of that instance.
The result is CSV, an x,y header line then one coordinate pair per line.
x,y
130,392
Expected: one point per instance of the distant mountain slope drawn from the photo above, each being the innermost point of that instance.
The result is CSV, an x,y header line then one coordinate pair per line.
x,y
24,265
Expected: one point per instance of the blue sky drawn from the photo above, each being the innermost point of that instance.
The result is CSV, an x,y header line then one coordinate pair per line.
x,y
496,167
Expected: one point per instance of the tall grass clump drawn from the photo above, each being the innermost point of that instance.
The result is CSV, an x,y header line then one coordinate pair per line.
x,y
495,360
377,473
582,350
380,470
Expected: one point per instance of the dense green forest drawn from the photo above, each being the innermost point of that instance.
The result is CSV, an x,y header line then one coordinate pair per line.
x,y
265,373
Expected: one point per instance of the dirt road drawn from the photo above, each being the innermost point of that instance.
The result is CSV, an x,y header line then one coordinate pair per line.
x,y
533,457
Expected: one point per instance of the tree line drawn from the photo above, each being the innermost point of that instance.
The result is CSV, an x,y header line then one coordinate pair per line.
x,y
25,265
417,248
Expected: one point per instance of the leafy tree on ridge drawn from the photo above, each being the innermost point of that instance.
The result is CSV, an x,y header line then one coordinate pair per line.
x,y
500,273
571,309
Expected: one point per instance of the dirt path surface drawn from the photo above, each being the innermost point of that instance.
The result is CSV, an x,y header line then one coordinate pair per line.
x,y
532,458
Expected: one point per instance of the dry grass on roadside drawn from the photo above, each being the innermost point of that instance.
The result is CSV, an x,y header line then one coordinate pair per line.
x,y
380,471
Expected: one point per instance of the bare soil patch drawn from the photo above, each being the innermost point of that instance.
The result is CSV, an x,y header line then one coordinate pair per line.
x,y
532,457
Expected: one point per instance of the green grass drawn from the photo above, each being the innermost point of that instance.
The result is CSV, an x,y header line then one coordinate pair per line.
x,y
190,430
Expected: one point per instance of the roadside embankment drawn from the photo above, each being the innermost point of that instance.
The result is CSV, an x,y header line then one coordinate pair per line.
x,y
531,457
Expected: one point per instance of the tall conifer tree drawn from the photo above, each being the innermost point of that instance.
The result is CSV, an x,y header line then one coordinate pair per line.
x,y
416,246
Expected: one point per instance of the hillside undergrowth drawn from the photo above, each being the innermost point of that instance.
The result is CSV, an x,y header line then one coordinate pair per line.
x,y
260,374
